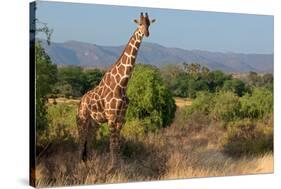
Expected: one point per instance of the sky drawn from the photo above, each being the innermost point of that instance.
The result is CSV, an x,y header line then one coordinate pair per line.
x,y
113,26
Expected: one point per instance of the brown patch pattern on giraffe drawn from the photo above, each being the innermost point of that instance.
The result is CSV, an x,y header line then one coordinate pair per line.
x,y
107,102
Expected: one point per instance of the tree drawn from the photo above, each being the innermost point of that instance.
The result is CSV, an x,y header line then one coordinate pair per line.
x,y
92,77
46,72
253,79
180,85
46,76
268,81
73,76
174,78
150,100
235,85
192,68
74,81
205,70
216,80
267,78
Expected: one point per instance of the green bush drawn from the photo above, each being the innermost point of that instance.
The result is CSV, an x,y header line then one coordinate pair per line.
x,y
134,128
235,85
203,103
46,76
61,123
188,79
226,106
149,98
245,137
75,81
257,105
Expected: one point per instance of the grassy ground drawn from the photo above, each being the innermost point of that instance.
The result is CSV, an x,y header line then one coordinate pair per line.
x,y
183,150
181,102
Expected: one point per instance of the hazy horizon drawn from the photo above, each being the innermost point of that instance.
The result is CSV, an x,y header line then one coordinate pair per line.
x,y
147,42
189,30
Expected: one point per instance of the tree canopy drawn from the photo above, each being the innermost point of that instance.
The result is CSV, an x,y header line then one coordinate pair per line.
x,y
150,100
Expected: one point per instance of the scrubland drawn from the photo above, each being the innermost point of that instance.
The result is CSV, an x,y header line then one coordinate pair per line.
x,y
186,149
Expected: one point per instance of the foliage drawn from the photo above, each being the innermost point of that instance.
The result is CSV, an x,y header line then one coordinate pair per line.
x,y
149,99
203,103
216,80
226,107
46,75
61,119
247,120
254,79
186,81
257,105
195,68
92,77
235,85
134,128
74,81
74,77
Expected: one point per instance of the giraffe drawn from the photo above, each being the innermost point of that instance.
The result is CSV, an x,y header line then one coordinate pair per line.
x,y
107,102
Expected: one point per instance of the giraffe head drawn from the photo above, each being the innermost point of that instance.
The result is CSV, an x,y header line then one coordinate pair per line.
x,y
144,23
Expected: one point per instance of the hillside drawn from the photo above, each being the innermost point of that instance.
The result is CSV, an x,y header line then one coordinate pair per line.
x,y
92,55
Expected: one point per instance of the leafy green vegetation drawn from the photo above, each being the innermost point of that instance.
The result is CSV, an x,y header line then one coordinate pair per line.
x,y
62,121
258,105
247,120
74,81
46,76
241,106
189,79
150,100
226,107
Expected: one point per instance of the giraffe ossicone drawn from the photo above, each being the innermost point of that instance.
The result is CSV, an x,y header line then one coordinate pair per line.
x,y
107,102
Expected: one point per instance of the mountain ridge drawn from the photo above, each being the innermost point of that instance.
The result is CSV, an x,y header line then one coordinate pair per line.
x,y
92,55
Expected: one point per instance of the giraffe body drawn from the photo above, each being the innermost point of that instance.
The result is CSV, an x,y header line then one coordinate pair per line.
x,y
107,102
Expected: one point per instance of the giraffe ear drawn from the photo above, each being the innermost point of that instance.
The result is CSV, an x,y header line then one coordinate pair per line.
x,y
136,21
152,21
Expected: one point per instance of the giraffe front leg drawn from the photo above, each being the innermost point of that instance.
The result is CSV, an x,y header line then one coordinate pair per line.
x,y
91,136
114,145
82,131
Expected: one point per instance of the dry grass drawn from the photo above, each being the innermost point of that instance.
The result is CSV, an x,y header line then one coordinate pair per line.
x,y
183,150
63,100
181,102
214,163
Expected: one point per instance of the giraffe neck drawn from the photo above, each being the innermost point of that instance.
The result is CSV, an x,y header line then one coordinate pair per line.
x,y
129,55
122,69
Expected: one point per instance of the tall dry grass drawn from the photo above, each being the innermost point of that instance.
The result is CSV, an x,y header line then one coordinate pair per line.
x,y
183,150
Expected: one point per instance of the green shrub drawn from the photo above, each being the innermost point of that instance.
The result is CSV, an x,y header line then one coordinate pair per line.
x,y
235,85
103,130
226,106
150,100
203,103
246,137
46,76
61,123
134,128
257,105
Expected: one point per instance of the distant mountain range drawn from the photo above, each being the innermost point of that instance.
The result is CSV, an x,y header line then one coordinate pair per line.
x,y
92,55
